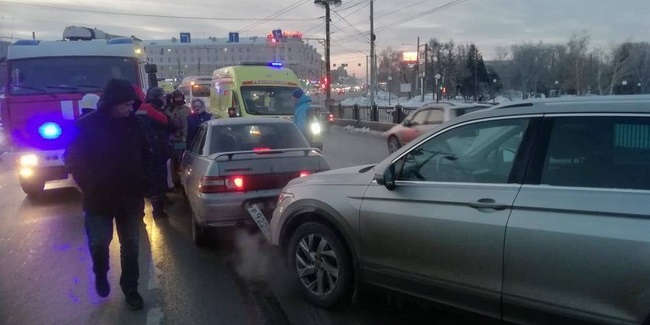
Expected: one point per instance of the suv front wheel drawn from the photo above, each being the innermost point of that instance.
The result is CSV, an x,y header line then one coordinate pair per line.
x,y
322,264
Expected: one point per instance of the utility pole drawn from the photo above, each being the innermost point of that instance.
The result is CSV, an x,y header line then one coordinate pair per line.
x,y
367,75
424,70
328,88
417,67
372,57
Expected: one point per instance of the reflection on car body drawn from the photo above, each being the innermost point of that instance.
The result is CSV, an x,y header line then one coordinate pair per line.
x,y
235,163
523,212
424,119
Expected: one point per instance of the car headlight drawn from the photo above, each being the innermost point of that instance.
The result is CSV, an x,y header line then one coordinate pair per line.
x,y
30,160
315,128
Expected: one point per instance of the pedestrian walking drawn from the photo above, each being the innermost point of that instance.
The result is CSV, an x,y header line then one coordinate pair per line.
x,y
110,159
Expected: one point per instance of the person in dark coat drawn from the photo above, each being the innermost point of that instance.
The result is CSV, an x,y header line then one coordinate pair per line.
x,y
159,128
110,159
198,116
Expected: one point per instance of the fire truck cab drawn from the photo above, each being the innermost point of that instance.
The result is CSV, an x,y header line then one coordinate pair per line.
x,y
44,84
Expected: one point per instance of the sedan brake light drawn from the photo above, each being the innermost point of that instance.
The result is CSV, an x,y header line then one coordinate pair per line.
x,y
221,184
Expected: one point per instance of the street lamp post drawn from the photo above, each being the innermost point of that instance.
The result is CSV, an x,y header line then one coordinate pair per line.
x,y
494,90
638,88
624,84
328,88
557,91
390,81
437,77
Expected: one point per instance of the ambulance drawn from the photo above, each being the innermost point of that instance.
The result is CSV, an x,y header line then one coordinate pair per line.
x,y
258,90
196,87
44,83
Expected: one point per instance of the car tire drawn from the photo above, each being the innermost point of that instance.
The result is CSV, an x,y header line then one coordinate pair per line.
x,y
393,144
309,262
198,232
34,188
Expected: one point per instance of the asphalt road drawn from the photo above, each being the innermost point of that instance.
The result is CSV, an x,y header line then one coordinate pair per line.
x,y
46,273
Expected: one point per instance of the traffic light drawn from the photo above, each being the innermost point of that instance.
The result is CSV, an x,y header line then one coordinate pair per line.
x,y
324,82
444,90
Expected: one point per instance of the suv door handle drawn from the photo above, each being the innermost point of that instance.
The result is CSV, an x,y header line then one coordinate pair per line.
x,y
487,204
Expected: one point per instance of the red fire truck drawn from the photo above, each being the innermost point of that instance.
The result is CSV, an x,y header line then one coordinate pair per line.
x,y
44,84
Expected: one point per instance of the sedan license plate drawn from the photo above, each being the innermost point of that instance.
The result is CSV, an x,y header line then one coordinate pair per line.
x,y
260,220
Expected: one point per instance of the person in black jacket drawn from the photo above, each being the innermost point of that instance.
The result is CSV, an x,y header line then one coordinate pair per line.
x,y
110,158
159,129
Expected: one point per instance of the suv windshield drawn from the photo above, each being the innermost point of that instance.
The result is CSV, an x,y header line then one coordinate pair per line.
x,y
67,74
268,100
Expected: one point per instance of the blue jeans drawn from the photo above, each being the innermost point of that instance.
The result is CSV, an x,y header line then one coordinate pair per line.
x,y
99,229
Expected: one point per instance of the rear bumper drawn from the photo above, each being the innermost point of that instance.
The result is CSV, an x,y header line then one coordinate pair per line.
x,y
230,209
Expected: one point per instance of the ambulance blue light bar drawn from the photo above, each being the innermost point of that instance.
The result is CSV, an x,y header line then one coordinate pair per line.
x,y
276,64
26,42
50,131
120,40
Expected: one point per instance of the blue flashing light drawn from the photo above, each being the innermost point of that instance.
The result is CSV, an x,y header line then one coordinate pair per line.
x,y
120,40
26,42
276,64
50,131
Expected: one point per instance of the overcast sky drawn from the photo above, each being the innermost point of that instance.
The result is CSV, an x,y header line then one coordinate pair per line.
x,y
398,23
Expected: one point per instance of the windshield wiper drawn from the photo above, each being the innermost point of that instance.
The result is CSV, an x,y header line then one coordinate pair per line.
x,y
91,86
28,87
62,87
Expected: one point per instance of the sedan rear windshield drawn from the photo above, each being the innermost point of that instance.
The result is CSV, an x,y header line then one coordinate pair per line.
x,y
257,136
68,74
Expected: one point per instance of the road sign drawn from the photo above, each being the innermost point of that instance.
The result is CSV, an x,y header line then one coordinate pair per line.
x,y
186,38
233,37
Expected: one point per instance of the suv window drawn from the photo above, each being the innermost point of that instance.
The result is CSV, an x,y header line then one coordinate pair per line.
x,y
482,152
601,152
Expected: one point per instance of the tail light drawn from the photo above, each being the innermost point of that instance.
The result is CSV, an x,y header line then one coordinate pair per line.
x,y
240,183
221,184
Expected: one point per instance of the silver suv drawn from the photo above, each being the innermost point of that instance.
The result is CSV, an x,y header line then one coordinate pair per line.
x,y
537,211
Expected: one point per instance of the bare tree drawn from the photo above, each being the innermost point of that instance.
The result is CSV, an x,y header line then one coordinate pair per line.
x,y
640,64
577,57
620,66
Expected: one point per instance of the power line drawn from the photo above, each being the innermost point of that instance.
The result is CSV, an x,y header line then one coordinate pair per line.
x,y
145,15
275,15
410,18
424,13
347,22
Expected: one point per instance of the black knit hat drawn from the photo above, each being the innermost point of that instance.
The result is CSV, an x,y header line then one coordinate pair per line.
x,y
297,93
117,91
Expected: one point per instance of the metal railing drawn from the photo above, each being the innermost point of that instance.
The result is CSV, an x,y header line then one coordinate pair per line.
x,y
383,114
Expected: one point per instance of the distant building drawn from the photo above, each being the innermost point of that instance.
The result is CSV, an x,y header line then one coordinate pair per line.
x,y
202,56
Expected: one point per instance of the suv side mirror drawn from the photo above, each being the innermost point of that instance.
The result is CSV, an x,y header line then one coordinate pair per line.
x,y
387,178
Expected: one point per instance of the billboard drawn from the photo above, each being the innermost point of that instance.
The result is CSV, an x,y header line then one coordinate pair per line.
x,y
410,57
